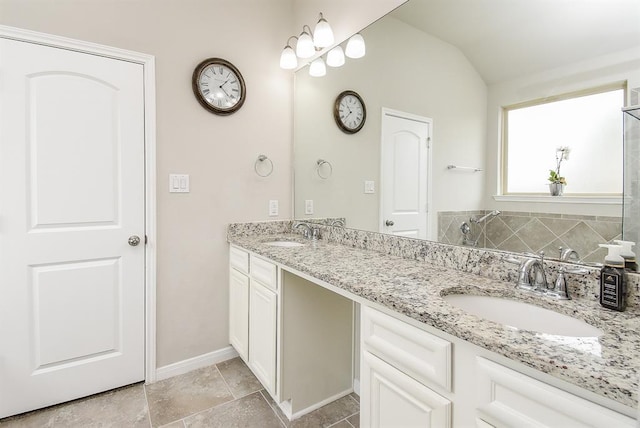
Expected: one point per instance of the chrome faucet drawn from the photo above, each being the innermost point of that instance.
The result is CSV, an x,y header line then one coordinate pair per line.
x,y
568,254
531,275
338,222
307,229
308,232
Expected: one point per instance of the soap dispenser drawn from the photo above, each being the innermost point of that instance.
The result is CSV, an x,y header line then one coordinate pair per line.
x,y
613,287
628,255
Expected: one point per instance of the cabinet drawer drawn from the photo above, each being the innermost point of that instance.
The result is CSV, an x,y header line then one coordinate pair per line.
x,y
419,354
239,259
264,272
506,397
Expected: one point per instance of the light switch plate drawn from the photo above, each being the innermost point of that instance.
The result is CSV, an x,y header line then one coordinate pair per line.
x,y
273,207
369,186
178,183
308,206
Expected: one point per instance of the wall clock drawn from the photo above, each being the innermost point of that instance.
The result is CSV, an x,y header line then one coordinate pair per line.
x,y
349,112
218,86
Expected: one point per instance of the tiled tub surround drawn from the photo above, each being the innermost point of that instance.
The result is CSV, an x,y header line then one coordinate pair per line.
x,y
534,232
411,276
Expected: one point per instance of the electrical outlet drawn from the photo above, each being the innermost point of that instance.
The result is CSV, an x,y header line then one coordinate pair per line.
x,y
308,206
273,207
369,186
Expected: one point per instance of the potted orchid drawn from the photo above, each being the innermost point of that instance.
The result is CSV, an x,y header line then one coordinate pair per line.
x,y
557,182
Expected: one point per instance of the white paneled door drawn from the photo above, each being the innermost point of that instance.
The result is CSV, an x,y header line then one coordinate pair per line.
x,y
71,197
404,174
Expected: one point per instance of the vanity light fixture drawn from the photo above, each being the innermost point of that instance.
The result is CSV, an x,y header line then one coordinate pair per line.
x,y
309,42
317,68
355,46
335,57
305,47
288,58
323,34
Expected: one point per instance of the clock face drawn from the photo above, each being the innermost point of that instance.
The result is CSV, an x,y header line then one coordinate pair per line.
x,y
349,112
218,86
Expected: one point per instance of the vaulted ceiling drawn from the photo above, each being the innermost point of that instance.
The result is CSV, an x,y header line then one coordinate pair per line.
x,y
505,39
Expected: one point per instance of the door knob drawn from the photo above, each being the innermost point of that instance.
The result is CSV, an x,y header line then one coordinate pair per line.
x,y
134,240
389,223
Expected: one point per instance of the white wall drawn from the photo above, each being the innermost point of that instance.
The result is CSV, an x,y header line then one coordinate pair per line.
x,y
605,70
407,70
218,152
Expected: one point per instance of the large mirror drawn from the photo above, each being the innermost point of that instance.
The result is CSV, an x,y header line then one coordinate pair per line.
x,y
451,66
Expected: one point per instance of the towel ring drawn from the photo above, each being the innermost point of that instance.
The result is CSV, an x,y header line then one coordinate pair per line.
x,y
260,161
319,165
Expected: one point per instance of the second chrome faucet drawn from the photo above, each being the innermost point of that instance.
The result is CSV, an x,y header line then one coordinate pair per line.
x,y
532,277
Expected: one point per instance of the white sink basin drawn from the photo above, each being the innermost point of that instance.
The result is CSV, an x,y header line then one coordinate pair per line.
x,y
284,244
522,316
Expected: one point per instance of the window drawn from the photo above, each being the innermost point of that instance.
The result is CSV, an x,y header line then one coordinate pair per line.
x,y
590,125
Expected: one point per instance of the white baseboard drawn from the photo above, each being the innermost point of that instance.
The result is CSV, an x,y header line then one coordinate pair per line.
x,y
356,386
315,406
204,360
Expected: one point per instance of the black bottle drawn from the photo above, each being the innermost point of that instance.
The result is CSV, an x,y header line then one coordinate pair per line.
x,y
613,285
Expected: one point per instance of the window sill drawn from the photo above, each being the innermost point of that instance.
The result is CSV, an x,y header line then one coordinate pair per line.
x,y
570,199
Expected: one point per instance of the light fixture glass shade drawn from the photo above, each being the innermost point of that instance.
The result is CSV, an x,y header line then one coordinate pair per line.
x,y
317,68
355,47
323,35
335,57
288,59
305,48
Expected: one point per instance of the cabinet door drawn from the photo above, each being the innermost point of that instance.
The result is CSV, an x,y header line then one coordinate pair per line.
x,y
239,312
390,398
262,334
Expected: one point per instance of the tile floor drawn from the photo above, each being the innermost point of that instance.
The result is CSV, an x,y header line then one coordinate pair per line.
x,y
224,395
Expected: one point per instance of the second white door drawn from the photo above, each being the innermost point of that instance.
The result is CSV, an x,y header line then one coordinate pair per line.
x,y
404,174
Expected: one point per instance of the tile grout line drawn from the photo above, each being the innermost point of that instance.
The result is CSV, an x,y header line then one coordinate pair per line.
x,y
146,399
226,383
272,409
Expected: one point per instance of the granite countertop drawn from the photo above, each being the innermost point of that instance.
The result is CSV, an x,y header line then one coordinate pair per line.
x,y
608,365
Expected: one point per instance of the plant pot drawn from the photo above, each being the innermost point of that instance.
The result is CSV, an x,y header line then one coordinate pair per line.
x,y
556,189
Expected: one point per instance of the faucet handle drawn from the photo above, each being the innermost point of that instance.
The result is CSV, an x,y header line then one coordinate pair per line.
x,y
560,290
315,233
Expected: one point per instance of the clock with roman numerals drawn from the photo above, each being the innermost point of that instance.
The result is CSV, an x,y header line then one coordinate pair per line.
x,y
218,86
349,112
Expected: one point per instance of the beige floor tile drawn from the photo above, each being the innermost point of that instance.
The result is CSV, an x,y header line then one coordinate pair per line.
x,y
239,378
329,414
180,396
355,420
176,424
251,411
342,424
123,407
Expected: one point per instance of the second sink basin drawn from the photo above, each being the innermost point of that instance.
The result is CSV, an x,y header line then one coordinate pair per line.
x,y
522,316
284,244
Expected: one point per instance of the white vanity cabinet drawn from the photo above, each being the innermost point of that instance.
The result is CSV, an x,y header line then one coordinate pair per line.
x,y
406,380
239,301
253,308
400,367
263,312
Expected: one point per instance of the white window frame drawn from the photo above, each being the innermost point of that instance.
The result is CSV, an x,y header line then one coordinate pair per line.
x,y
599,198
